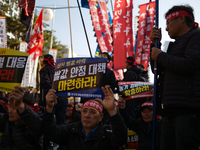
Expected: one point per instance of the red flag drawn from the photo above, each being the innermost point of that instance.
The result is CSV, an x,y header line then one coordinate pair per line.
x,y
141,32
36,42
147,41
101,25
122,32
27,16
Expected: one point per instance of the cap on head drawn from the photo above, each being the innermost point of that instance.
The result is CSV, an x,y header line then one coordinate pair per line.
x,y
94,104
147,104
69,107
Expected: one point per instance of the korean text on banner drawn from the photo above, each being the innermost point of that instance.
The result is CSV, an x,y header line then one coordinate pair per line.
x,y
101,25
2,32
147,41
79,77
122,32
12,65
132,90
141,31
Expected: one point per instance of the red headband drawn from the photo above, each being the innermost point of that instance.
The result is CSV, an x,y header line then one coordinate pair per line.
x,y
70,108
94,105
131,61
50,61
147,104
3,102
178,14
34,108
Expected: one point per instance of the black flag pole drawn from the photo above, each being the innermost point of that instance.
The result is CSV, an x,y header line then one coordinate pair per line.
x,y
155,79
84,28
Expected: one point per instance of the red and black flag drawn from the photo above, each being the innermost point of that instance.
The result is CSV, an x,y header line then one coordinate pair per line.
x,y
27,15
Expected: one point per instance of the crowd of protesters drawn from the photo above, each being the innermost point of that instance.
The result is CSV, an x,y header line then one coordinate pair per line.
x,y
32,120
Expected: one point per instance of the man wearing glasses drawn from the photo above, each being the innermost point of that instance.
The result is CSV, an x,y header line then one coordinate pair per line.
x,y
178,95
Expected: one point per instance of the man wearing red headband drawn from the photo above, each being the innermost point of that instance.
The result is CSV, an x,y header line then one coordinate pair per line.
x,y
19,131
89,133
46,78
178,96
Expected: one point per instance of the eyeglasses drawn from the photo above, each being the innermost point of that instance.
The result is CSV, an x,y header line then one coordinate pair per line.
x,y
170,21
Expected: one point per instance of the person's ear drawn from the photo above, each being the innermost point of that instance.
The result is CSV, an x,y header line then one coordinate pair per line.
x,y
182,19
101,116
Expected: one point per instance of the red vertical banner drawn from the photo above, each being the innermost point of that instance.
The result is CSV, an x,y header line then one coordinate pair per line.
x,y
104,20
101,25
36,42
141,32
129,30
119,38
147,41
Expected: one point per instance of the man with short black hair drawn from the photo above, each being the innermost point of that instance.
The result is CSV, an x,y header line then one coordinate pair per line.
x,y
133,73
178,95
109,76
46,77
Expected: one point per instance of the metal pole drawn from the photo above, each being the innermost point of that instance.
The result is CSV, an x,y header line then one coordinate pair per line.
x,y
70,29
155,80
84,28
32,20
111,5
52,26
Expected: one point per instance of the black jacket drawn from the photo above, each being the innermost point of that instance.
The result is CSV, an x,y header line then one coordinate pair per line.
x,y
132,74
179,75
26,135
74,139
109,79
140,127
46,79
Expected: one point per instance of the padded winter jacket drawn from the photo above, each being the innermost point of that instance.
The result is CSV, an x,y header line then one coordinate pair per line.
x,y
73,138
140,127
26,135
179,74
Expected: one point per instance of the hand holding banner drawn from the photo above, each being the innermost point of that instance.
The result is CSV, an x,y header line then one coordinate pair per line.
x,y
132,90
12,65
79,77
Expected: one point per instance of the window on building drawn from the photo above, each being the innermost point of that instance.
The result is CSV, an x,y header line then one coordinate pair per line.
x,y
10,13
11,4
16,7
15,15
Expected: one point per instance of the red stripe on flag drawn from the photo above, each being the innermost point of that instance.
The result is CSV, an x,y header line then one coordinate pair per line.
x,y
141,31
122,32
28,6
36,42
101,25
147,40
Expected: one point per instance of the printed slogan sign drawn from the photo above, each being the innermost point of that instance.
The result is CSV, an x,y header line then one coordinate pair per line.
x,y
12,65
79,77
132,141
132,90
